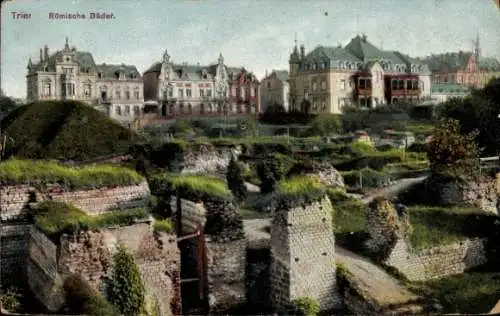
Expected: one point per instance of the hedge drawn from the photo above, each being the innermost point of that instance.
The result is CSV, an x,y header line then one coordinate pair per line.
x,y
15,171
369,178
195,187
56,218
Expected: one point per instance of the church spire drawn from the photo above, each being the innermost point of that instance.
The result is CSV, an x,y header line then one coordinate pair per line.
x,y
66,46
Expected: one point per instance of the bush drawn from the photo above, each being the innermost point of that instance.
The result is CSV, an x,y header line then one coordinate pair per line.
x,y
267,148
307,305
15,171
194,187
361,148
164,225
66,130
365,178
84,300
55,218
235,181
326,124
269,172
10,300
125,288
418,147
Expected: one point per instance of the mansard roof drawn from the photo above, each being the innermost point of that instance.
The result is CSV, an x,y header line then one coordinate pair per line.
x,y
84,59
327,54
110,71
281,75
194,72
489,64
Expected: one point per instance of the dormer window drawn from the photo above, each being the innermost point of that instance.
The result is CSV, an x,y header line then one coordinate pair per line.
x,y
99,75
314,66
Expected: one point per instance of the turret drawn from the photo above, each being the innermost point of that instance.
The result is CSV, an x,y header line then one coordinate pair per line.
x,y
302,52
30,64
46,52
41,54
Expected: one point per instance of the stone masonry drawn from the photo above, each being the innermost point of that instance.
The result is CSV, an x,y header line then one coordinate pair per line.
x,y
89,253
302,256
14,241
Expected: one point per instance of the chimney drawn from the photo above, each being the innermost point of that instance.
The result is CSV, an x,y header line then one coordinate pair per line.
x,y
364,38
302,51
41,55
46,52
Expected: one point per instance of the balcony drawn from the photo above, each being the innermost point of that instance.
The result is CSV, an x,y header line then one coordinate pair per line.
x,y
363,86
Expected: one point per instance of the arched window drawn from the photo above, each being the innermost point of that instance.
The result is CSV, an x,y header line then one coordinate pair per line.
x,y
118,110
181,107
47,88
87,89
118,93
136,93
190,108
127,110
136,110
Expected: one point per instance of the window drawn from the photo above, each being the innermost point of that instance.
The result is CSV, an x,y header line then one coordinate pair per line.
x,y
342,84
170,92
202,93
47,88
315,86
209,93
136,110
394,84
118,110
401,84
252,92
180,93
127,94
181,107
202,108
136,93
70,89
242,92
315,66
323,106
188,93
323,85
323,65
87,90
118,93
233,91
190,108
99,75
362,83
127,109
409,84
255,91
269,84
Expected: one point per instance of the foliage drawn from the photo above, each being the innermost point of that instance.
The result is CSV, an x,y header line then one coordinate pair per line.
x,y
82,299
163,225
360,148
7,105
478,112
270,173
343,275
365,177
66,130
195,187
326,124
55,218
349,214
291,117
300,189
418,147
452,153
10,299
15,171
125,288
235,180
471,293
309,306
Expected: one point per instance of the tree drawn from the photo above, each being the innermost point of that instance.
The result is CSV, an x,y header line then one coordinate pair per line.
x,y
235,180
6,105
326,124
125,288
450,152
269,172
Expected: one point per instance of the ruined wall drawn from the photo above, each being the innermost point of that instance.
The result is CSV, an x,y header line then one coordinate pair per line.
x,y
14,241
303,259
193,214
208,160
437,261
89,253
483,194
13,199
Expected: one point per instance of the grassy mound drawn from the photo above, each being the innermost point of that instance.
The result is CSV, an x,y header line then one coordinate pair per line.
x,y
55,218
300,190
65,130
15,171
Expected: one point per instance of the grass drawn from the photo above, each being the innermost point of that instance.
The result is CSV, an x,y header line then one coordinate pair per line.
x,y
301,189
420,128
197,187
55,218
163,225
66,130
16,171
438,226
467,293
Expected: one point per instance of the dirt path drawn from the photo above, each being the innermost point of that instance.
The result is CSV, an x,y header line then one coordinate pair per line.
x,y
393,189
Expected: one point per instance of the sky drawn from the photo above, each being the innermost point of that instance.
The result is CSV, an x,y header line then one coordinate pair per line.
x,y
255,34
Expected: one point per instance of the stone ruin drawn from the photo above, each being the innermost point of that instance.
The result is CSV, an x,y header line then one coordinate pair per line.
x,y
388,228
303,255
209,160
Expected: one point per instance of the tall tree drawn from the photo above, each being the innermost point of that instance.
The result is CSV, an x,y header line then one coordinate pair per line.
x,y
125,288
235,180
326,124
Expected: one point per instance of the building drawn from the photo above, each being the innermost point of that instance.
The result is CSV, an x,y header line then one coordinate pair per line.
x,y
69,74
464,68
195,90
442,92
359,74
275,90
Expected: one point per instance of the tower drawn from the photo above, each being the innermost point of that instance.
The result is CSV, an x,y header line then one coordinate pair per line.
x,y
66,45
294,59
477,55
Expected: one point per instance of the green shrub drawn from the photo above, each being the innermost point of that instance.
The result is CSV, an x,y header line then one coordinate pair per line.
x,y
362,148
269,172
164,225
55,218
300,189
307,305
15,171
235,180
195,187
349,217
125,288
10,299
337,195
82,299
66,130
365,178
418,147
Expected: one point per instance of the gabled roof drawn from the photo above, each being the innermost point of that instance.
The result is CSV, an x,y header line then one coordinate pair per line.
x,y
282,75
363,49
448,62
110,71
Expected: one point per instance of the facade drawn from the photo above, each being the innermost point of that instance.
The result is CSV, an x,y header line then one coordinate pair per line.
x,y
275,90
359,74
463,68
69,74
195,90
442,92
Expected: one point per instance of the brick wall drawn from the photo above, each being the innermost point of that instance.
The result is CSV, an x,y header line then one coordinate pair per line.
x,y
438,261
14,241
13,199
303,259
89,253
